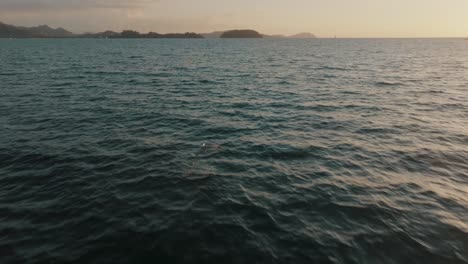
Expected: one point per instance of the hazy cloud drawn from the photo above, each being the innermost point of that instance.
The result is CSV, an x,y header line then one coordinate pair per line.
x,y
37,5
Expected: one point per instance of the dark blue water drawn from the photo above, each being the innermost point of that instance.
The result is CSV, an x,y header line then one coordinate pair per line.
x,y
234,151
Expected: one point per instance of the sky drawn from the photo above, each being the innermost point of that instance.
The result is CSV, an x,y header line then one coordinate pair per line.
x,y
325,18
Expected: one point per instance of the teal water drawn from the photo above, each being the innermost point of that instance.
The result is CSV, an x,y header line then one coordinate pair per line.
x,y
234,151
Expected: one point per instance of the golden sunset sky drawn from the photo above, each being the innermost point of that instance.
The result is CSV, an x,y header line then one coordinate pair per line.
x,y
325,18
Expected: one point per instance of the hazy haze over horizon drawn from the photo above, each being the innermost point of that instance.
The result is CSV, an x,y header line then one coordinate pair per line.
x,y
343,18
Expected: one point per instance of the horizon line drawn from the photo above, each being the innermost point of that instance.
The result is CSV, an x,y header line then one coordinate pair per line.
x,y
264,34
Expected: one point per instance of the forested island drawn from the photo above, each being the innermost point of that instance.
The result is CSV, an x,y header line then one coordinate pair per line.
x,y
245,33
135,34
44,31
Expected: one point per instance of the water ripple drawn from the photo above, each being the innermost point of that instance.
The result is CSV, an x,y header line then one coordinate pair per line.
x,y
268,151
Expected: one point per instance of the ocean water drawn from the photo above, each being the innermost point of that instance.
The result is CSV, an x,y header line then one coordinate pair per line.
x,y
234,151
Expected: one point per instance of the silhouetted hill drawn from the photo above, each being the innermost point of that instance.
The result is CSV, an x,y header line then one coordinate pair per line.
x,y
245,33
44,31
135,34
8,31
105,34
304,35
215,34
184,35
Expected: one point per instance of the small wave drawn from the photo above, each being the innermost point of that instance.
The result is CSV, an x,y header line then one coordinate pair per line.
x,y
105,73
206,81
435,92
386,83
9,74
377,130
284,82
332,68
286,152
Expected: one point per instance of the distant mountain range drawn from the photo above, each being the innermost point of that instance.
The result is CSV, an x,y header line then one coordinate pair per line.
x,y
9,31
218,34
135,34
44,31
